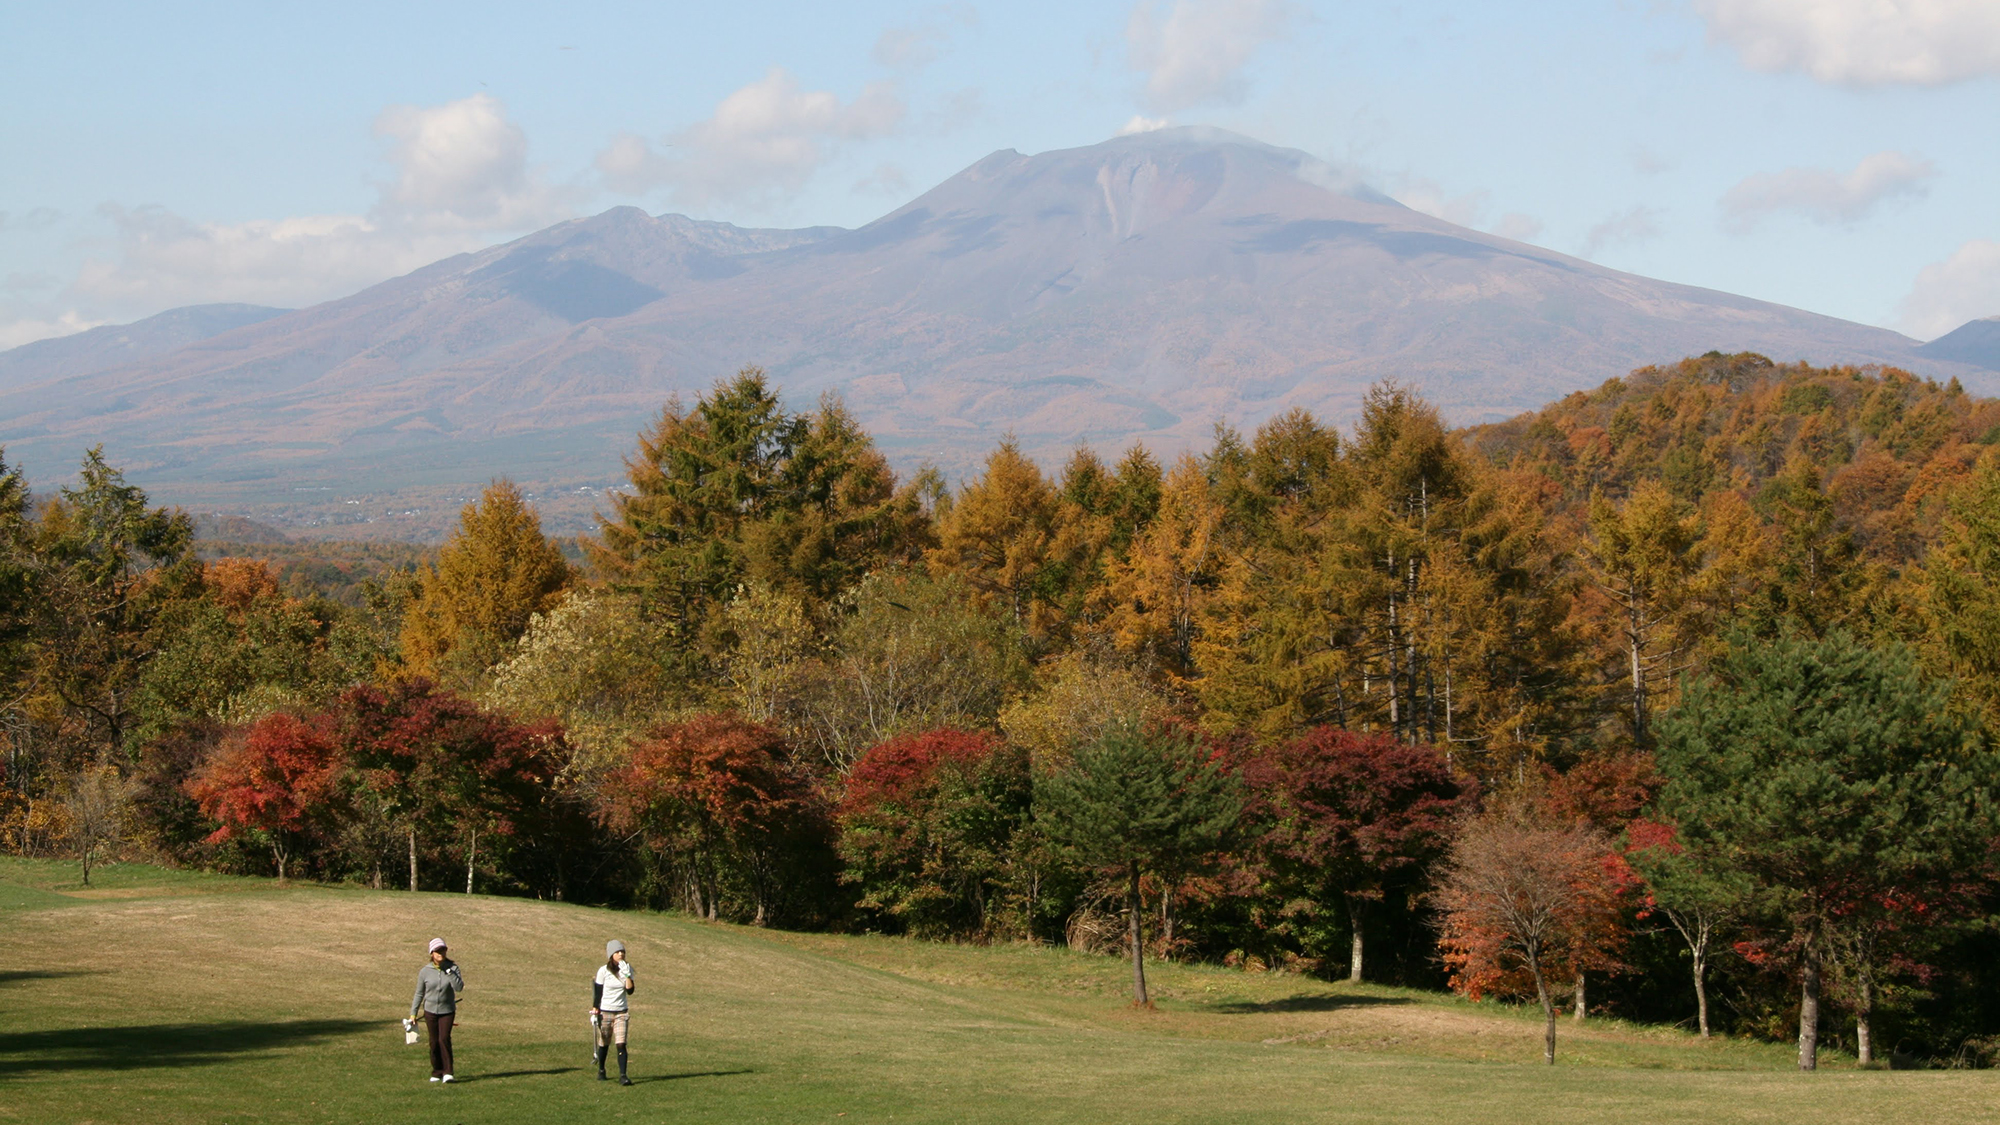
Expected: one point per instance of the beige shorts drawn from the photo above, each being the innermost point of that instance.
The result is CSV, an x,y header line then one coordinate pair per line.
x,y
611,1027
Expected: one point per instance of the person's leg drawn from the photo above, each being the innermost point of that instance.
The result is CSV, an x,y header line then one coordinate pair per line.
x,y
618,1026
603,1046
437,1050
444,1030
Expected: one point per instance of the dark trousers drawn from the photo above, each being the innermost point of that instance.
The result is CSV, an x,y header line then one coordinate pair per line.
x,y
440,1029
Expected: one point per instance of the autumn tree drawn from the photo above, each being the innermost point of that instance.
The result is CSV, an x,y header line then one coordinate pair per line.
x,y
446,775
717,804
104,567
999,535
1155,595
275,781
1700,893
591,664
927,824
909,652
1137,801
491,578
737,489
1832,774
1526,905
1958,594
95,801
1350,813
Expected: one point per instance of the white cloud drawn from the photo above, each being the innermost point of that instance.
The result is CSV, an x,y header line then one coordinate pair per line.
x,y
886,179
918,45
28,329
1195,53
1640,224
1965,286
1825,196
462,163
763,143
461,179
1519,227
1140,123
1466,209
1862,42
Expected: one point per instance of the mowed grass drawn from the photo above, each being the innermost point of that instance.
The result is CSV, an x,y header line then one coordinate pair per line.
x,y
162,997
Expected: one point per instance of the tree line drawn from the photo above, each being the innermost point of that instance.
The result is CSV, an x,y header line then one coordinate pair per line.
x,y
1674,699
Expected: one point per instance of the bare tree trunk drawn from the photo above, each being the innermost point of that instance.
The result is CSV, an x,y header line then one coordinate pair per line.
x,y
471,854
1354,947
1864,1009
1136,926
1809,1013
278,854
1582,1008
1166,920
1701,982
1548,1014
376,881
413,857
1638,673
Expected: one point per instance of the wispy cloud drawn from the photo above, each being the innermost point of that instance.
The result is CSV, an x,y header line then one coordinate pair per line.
x,y
1861,42
38,218
1965,286
763,143
459,177
917,45
1195,51
1627,228
1825,196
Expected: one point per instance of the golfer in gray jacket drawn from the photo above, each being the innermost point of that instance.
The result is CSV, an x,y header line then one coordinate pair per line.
x,y
439,985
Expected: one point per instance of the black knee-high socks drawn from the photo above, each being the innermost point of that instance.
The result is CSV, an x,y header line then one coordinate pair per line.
x,y
621,1060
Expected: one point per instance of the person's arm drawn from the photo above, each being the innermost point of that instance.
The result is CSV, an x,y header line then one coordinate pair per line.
x,y
625,978
457,979
417,1001
596,993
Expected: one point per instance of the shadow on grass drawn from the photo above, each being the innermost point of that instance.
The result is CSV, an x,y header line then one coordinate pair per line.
x,y
159,1045
464,1078
9,976
689,1074
1319,1002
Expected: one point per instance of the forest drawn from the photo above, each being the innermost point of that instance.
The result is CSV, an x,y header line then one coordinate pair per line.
x,y
1675,701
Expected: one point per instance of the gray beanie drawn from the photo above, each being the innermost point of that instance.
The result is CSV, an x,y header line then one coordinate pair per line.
x,y
613,946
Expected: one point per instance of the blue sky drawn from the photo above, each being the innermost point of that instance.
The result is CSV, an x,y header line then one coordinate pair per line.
x,y
1835,155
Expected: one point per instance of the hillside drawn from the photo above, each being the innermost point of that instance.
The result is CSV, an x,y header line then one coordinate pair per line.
x,y
238,1000
1135,290
1976,342
116,345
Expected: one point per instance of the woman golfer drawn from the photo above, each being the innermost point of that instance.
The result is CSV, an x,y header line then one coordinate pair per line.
x,y
439,985
609,1009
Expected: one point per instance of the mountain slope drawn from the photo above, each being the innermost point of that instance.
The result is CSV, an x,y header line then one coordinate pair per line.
x,y
120,344
1139,289
1976,342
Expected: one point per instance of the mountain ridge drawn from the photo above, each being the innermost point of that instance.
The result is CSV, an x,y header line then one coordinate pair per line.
x,y
1136,290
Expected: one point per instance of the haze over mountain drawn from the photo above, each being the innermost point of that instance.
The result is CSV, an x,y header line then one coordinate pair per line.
x,y
1136,290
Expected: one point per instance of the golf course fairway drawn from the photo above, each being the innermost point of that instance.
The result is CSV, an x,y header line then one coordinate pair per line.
x,y
159,997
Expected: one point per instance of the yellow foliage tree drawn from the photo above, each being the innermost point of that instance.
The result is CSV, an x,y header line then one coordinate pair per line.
x,y
495,574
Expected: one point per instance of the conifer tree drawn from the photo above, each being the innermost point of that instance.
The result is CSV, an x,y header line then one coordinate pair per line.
x,y
495,573
1832,774
1135,802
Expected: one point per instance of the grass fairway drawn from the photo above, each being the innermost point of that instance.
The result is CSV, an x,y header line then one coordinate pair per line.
x,y
161,997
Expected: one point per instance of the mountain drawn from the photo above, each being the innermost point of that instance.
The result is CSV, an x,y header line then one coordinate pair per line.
x,y
116,345
1976,342
1136,290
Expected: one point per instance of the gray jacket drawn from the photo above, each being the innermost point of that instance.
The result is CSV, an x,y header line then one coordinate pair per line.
x,y
438,990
